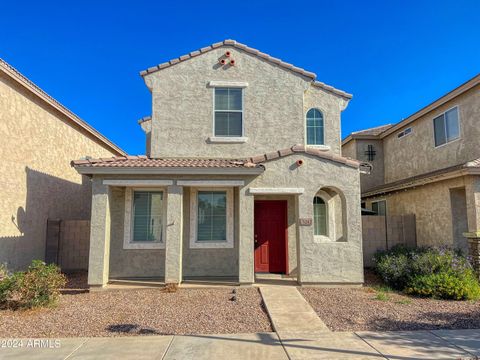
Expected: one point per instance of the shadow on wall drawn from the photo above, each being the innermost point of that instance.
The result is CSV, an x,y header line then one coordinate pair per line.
x,y
47,197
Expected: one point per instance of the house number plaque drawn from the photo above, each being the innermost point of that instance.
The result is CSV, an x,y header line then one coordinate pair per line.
x,y
305,221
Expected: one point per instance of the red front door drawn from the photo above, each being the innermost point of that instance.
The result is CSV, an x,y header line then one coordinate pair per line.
x,y
271,236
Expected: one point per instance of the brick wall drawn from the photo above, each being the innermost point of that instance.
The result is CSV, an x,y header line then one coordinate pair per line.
x,y
74,244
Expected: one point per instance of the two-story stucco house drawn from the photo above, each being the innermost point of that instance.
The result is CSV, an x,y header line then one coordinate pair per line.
x,y
428,165
39,138
243,175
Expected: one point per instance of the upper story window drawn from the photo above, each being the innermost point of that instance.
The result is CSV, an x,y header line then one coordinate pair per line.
x,y
315,127
228,112
446,127
404,132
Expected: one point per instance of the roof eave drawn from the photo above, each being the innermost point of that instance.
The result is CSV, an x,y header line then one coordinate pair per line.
x,y
89,170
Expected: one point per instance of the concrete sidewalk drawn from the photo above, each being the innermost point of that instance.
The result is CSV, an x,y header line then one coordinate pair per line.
x,y
441,344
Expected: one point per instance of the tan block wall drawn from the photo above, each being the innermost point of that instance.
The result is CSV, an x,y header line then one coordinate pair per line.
x,y
37,146
74,244
432,206
416,153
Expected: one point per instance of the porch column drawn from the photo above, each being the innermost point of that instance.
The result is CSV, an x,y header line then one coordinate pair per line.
x,y
174,235
304,210
98,263
245,234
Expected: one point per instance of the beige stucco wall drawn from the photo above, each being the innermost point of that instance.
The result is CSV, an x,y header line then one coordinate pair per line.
x,y
416,153
37,146
439,209
312,259
275,103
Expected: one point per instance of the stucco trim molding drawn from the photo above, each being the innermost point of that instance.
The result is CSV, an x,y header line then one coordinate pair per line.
x,y
138,183
127,225
227,140
194,244
210,183
276,191
230,84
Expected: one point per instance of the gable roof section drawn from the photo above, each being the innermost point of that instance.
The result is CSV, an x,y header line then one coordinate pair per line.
x,y
469,168
19,78
437,103
371,133
85,166
282,64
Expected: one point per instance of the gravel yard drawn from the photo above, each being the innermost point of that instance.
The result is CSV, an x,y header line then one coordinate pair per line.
x,y
140,312
366,308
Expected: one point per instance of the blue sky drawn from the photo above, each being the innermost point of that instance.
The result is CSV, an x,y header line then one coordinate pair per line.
x,y
394,56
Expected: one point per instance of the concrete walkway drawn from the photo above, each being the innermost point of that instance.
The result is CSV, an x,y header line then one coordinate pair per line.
x,y
289,311
442,344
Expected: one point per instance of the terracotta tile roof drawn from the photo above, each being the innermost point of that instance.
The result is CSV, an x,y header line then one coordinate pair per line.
x,y
375,131
144,119
254,52
142,161
327,155
33,88
367,133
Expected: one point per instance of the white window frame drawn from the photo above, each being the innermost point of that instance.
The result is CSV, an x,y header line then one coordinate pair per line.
x,y
194,243
330,218
445,122
377,201
323,146
402,133
128,243
228,139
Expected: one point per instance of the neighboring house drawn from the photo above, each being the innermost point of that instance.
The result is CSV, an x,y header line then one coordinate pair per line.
x,y
39,139
428,165
225,191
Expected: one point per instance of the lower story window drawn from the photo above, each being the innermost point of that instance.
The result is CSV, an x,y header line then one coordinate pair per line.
x,y
147,216
320,216
212,216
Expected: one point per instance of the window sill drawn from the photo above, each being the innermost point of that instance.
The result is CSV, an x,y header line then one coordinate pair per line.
x,y
322,239
320,147
211,245
226,140
143,245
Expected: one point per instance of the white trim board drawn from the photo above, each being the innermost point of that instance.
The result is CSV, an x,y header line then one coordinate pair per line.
x,y
210,183
231,84
279,191
138,182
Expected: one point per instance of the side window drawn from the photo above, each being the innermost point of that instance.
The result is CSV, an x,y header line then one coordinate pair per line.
x,y
228,112
315,127
380,207
446,127
320,217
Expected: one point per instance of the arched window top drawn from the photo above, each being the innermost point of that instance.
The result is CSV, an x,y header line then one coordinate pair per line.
x,y
320,217
315,127
318,200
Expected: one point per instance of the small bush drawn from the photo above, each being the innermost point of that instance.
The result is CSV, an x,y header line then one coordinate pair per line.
x,y
38,286
432,272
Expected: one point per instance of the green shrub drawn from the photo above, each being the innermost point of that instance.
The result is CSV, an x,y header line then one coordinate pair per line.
x,y
433,272
38,286
445,285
